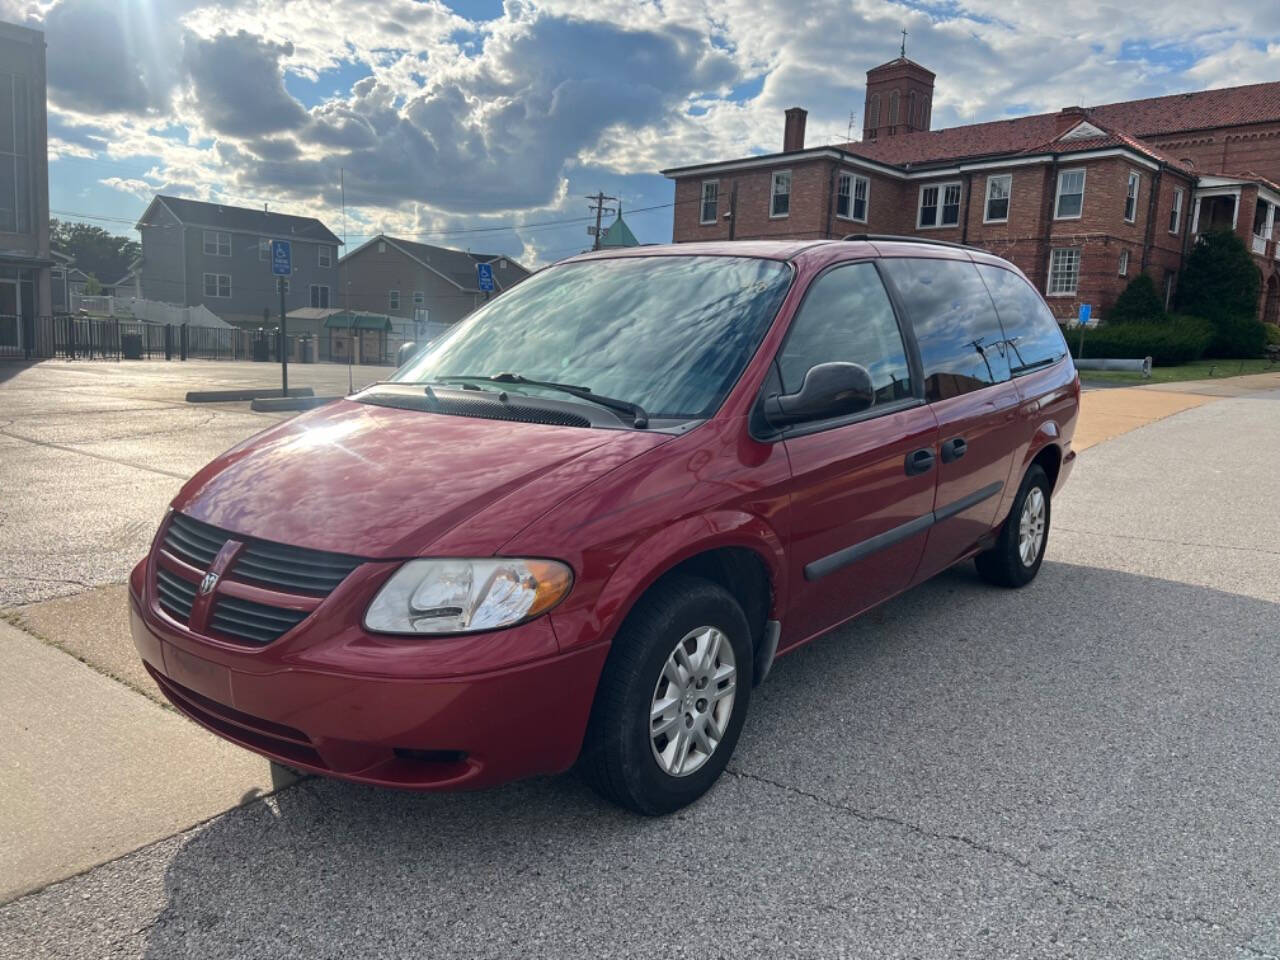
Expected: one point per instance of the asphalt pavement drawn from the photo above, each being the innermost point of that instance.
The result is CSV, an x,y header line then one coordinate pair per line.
x,y
1083,768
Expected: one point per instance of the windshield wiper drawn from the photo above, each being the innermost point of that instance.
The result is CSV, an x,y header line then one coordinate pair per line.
x,y
639,417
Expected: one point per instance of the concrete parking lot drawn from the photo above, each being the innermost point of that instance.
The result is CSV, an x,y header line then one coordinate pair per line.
x,y
1084,768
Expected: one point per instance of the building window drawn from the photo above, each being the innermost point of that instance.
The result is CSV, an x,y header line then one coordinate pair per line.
x,y
873,118
1070,203
911,107
710,194
1175,215
217,243
851,197
324,255
893,109
1064,272
1131,197
15,159
264,248
419,298
1124,263
320,296
998,188
217,285
929,214
780,198
393,299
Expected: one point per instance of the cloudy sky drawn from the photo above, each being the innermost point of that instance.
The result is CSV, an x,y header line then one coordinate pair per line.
x,y
482,123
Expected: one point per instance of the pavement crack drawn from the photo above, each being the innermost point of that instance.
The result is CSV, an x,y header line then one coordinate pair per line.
x,y
120,461
1179,543
1061,883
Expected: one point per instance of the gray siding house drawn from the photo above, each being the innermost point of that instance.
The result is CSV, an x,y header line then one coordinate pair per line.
x,y
418,285
24,187
196,253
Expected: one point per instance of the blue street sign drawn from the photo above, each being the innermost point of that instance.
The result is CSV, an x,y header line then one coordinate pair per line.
x,y
484,276
1086,309
281,258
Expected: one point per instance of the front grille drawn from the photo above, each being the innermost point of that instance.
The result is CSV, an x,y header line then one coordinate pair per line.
x,y
253,622
175,595
278,567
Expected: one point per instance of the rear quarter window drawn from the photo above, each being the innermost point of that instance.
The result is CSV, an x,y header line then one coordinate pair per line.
x,y
1031,332
961,343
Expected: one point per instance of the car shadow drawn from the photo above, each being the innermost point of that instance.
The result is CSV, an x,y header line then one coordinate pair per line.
x,y
1091,736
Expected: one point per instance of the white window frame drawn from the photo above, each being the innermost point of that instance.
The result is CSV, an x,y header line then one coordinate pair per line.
x,y
217,286
1123,267
218,236
855,180
264,249
702,203
1134,184
393,299
774,193
1175,214
1049,284
324,252
941,188
314,296
1057,199
1007,178
419,298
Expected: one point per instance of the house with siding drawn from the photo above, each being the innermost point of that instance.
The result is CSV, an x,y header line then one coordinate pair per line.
x,y
417,284
1082,200
196,253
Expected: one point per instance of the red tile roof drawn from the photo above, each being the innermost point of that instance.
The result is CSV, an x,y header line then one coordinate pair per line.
x,y
1126,123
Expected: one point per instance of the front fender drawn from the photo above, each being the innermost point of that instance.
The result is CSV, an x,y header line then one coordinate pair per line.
x,y
658,553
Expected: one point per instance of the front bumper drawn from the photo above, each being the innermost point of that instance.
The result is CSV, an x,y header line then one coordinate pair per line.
x,y
333,714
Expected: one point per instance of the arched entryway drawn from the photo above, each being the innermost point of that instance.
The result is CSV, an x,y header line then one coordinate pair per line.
x,y
1271,303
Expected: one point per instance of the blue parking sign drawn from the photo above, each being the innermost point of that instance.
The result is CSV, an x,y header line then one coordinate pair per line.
x,y
484,276
1086,310
281,258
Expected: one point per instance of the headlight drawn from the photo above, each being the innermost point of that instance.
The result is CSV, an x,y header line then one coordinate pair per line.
x,y
467,596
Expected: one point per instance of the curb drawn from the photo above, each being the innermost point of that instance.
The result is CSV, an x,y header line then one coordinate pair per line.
x,y
218,396
277,404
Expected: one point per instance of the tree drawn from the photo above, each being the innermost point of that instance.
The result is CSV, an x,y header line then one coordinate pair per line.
x,y
1220,278
105,255
1139,303
92,286
1221,282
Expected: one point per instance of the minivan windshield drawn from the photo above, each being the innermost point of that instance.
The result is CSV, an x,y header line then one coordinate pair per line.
x,y
670,333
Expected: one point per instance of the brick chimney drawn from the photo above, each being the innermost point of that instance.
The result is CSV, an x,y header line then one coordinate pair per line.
x,y
1069,117
793,132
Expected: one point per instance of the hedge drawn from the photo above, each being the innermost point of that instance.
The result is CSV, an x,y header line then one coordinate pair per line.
x,y
1177,340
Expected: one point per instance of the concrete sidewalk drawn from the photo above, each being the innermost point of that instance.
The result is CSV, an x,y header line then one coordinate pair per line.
x,y
90,770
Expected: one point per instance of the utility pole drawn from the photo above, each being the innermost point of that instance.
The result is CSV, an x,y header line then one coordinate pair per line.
x,y
600,209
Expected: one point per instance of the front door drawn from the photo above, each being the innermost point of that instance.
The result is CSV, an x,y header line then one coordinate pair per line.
x,y
10,315
967,382
860,504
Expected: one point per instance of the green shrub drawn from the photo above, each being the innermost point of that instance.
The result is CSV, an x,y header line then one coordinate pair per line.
x,y
1220,278
1273,334
1175,340
1237,336
1139,303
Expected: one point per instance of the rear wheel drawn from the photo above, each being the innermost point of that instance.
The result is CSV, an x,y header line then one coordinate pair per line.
x,y
1015,559
672,698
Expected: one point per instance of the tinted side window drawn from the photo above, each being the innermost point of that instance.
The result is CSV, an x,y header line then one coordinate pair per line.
x,y
1032,334
961,343
846,315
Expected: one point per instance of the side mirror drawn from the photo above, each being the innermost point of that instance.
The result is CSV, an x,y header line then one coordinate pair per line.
x,y
829,390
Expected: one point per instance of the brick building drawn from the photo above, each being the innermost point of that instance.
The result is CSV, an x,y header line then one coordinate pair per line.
x,y
1082,200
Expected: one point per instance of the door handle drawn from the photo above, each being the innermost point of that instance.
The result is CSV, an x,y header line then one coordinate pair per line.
x,y
919,461
953,449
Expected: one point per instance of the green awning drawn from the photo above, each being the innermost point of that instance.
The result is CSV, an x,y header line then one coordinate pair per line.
x,y
358,321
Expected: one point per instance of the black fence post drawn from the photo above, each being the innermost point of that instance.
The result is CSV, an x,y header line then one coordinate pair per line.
x,y
182,341
168,341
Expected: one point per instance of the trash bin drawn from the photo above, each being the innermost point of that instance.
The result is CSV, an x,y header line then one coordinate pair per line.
x,y
308,350
405,352
131,346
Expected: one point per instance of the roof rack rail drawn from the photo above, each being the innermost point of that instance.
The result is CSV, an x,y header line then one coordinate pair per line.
x,y
897,239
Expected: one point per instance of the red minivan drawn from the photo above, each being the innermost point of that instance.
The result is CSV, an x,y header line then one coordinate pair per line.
x,y
581,526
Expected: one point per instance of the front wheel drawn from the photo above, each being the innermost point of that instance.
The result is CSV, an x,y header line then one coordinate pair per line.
x,y
1015,559
672,698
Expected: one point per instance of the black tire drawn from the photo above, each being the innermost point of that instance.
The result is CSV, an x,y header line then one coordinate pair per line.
x,y
1003,565
618,754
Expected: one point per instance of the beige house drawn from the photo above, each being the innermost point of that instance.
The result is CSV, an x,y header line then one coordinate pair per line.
x,y
416,284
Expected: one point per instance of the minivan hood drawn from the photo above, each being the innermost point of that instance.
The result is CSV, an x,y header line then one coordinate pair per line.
x,y
382,482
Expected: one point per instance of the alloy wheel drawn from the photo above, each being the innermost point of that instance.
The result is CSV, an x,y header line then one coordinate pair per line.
x,y
1031,527
693,701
